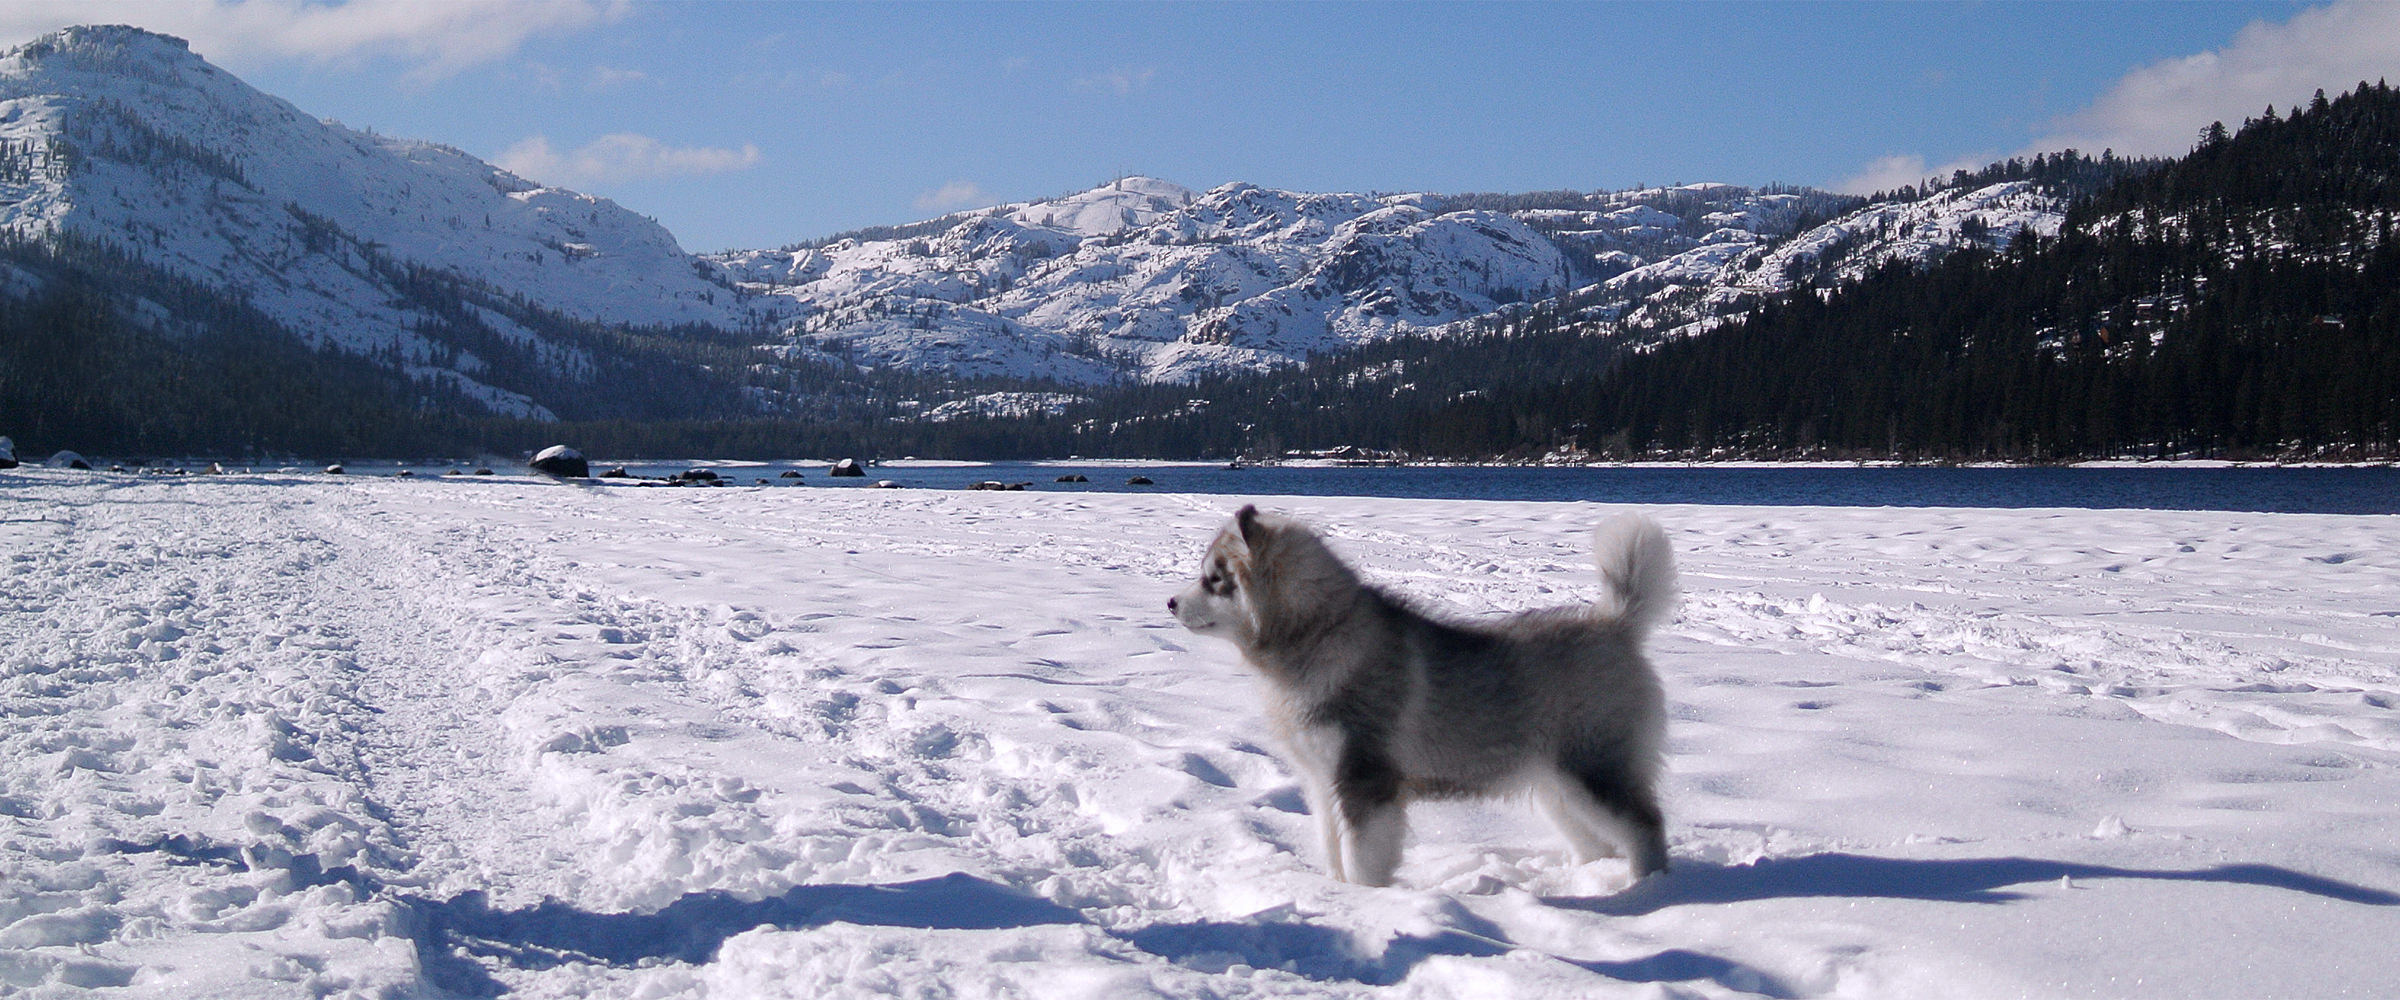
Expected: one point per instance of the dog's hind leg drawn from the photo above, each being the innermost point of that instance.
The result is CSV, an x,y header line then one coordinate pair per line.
x,y
1577,817
1595,804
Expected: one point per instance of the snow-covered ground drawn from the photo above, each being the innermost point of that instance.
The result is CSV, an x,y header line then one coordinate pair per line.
x,y
272,736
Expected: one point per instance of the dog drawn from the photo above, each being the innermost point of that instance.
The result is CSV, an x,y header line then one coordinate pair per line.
x,y
1380,704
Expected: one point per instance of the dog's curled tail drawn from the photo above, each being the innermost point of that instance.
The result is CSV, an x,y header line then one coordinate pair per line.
x,y
1638,566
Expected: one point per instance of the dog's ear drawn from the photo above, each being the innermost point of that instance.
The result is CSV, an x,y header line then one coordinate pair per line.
x,y
1246,520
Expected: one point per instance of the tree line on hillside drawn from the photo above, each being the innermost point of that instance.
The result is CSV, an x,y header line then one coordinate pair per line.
x,y
2241,301
2244,301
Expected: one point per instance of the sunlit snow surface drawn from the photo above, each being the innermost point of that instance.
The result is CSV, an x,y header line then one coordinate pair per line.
x,y
268,736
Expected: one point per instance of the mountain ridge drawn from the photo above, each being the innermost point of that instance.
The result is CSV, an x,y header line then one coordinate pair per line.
x,y
494,292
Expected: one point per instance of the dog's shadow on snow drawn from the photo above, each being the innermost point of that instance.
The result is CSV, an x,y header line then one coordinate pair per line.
x,y
1328,954
453,935
461,939
456,937
1964,880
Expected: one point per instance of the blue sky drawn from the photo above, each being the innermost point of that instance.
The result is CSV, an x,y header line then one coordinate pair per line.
x,y
742,124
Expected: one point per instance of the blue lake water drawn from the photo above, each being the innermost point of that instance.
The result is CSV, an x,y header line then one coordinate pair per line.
x,y
2342,490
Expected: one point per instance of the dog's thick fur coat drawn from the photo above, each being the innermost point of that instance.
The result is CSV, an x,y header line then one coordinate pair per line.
x,y
1380,704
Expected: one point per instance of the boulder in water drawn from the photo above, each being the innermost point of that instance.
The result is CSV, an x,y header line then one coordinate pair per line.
x,y
847,467
561,461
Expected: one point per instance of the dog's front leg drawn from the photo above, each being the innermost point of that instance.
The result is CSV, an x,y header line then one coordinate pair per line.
x,y
1328,809
1315,751
1367,787
1374,843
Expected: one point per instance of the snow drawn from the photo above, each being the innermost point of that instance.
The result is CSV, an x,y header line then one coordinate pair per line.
x,y
1146,276
1692,290
1003,404
295,735
308,217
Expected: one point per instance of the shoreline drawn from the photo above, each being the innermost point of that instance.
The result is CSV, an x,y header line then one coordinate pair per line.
x,y
156,465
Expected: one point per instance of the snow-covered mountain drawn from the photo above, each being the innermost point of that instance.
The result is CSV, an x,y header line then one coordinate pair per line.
x,y
122,135
456,270
1695,289
1147,279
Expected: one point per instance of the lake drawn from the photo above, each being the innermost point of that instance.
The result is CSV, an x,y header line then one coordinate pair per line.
x,y
2334,490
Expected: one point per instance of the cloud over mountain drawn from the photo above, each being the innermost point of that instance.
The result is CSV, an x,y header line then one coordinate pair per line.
x,y
620,156
434,39
2157,110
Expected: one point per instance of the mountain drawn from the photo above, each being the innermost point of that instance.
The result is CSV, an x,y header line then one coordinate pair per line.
x,y
1146,280
458,271
2240,302
409,250
159,200
1698,289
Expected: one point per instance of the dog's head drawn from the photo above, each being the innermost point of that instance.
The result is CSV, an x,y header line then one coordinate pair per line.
x,y
1218,602
1249,576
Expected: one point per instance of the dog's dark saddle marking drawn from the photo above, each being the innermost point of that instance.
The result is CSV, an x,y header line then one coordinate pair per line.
x,y
1365,780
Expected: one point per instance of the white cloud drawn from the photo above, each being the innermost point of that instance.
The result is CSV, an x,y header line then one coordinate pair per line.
x,y
542,76
1901,169
619,157
2159,109
436,40
606,77
956,194
1124,81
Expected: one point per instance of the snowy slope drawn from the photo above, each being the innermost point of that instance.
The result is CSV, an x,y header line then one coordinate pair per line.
x,y
1738,268
283,736
127,136
1145,279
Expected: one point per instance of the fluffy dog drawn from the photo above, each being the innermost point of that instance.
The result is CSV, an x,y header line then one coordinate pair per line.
x,y
1380,704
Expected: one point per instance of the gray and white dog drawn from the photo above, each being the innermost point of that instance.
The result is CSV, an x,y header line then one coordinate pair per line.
x,y
1381,704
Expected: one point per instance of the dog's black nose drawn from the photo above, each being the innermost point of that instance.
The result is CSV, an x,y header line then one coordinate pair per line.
x,y
1170,604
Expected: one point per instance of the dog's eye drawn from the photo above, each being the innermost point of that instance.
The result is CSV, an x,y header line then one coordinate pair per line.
x,y
1216,583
